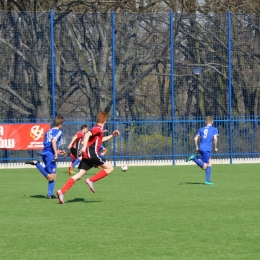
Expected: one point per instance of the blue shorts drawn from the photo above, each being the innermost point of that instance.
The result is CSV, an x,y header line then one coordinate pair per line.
x,y
50,164
205,156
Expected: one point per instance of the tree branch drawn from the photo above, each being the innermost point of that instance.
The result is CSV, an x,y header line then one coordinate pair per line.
x,y
18,52
17,96
14,107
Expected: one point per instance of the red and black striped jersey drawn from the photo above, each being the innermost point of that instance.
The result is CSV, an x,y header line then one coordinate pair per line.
x,y
77,142
94,142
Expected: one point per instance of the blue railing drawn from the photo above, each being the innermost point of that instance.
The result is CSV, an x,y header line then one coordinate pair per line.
x,y
153,139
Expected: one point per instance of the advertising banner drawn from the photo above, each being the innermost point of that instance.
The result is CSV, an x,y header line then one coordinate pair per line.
x,y
22,136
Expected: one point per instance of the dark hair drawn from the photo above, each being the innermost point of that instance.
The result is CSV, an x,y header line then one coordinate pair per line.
x,y
83,127
58,121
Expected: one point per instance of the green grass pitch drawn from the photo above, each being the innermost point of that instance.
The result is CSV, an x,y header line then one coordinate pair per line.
x,y
159,212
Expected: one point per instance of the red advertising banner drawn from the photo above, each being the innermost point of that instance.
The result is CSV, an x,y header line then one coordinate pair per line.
x,y
22,136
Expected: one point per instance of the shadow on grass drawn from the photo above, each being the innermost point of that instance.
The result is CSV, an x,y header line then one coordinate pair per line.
x,y
68,201
83,200
191,183
38,196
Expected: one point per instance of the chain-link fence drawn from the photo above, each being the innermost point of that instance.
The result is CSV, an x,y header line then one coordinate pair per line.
x,y
165,69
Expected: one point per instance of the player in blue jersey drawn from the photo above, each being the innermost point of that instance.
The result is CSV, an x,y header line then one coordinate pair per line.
x,y
102,152
208,137
50,154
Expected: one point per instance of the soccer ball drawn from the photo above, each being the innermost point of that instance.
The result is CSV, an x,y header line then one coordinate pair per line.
x,y
124,168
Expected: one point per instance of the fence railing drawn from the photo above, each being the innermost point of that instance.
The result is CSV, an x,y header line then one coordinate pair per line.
x,y
163,141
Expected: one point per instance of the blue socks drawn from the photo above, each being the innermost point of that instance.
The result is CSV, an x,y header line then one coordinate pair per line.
x,y
41,169
51,185
75,163
208,173
198,162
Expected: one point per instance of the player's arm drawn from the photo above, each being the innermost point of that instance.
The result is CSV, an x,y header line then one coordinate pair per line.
x,y
54,146
106,138
72,141
215,141
85,142
104,151
196,139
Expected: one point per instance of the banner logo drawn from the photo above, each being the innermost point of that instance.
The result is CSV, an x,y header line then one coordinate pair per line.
x,y
36,132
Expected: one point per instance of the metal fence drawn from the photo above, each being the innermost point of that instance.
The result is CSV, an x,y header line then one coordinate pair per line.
x,y
156,75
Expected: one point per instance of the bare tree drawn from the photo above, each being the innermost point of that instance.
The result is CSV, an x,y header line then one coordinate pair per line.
x,y
83,61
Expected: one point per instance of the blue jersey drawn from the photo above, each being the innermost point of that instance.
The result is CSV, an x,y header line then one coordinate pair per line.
x,y
206,135
47,144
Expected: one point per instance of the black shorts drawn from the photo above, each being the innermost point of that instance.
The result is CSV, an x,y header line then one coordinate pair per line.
x,y
74,152
86,164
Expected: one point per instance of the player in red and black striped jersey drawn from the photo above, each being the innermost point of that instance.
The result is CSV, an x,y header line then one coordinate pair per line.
x,y
74,146
91,157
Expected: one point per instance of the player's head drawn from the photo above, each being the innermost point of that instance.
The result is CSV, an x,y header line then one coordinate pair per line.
x,y
84,128
209,120
102,117
58,121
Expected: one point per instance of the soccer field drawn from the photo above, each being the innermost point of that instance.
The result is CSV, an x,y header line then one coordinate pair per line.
x,y
163,212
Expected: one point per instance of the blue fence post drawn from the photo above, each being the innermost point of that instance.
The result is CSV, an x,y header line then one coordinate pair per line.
x,y
52,64
230,86
5,156
114,79
172,81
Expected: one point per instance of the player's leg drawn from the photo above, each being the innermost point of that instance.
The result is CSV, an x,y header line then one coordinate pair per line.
x,y
208,173
39,166
205,157
51,167
199,162
107,168
83,167
49,172
70,182
74,156
60,193
51,186
77,161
